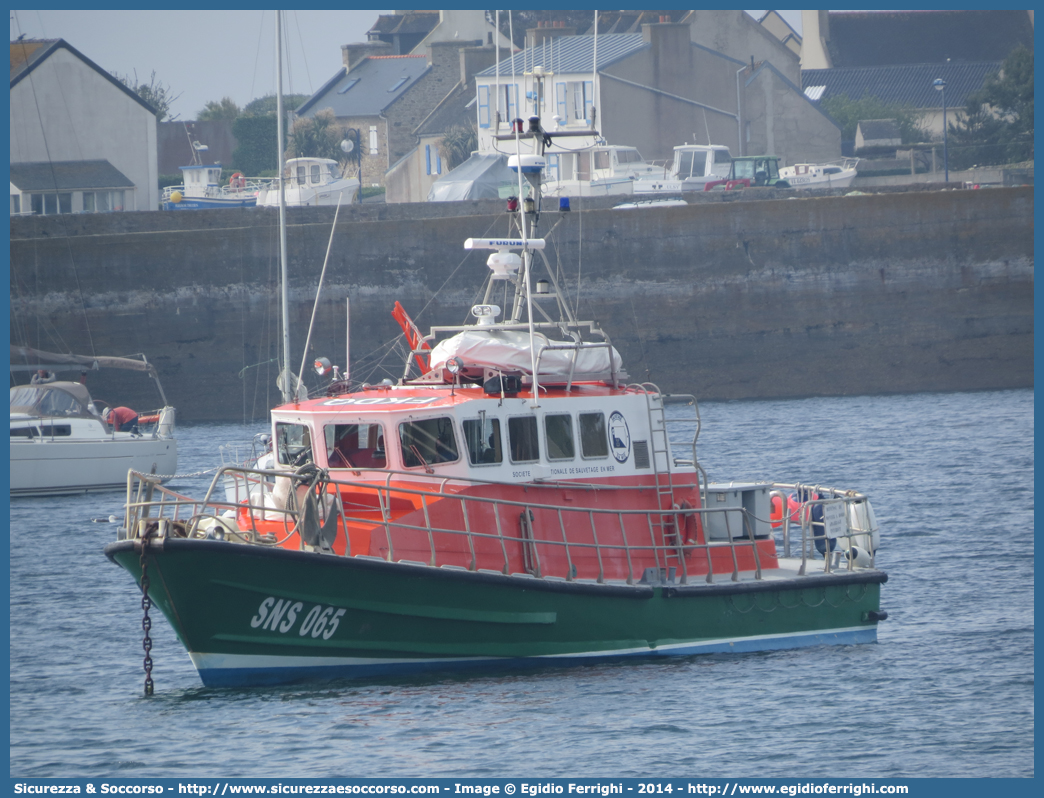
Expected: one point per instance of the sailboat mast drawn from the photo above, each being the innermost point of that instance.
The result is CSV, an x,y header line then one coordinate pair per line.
x,y
288,389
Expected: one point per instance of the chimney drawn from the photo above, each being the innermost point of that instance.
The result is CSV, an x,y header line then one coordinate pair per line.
x,y
353,54
474,60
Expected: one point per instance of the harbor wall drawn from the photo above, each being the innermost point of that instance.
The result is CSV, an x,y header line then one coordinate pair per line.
x,y
727,299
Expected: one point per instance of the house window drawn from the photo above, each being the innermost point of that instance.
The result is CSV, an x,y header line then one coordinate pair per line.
x,y
347,85
427,158
50,204
65,203
398,83
580,100
438,163
373,139
483,106
522,434
16,203
507,102
36,203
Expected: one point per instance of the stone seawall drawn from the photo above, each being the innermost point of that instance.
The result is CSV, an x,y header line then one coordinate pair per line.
x,y
914,291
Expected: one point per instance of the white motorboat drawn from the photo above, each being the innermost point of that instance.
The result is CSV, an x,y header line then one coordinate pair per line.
x,y
693,167
827,175
599,171
61,445
311,181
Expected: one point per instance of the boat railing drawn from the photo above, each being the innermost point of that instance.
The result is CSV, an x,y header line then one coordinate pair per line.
x,y
448,527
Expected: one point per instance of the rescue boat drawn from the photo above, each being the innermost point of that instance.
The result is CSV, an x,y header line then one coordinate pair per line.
x,y
513,499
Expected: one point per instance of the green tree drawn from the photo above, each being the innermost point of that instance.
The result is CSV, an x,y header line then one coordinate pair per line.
x,y
155,93
457,144
849,113
214,111
256,149
996,125
318,136
266,106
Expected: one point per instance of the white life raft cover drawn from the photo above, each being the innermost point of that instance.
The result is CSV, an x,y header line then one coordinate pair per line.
x,y
508,350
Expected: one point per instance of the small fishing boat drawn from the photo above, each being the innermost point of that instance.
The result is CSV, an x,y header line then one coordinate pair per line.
x,y
512,499
311,181
202,189
694,165
60,443
828,175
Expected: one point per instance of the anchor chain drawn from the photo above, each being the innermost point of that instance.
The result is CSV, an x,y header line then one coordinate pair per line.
x,y
146,621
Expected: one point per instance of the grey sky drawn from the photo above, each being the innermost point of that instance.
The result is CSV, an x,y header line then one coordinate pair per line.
x,y
207,55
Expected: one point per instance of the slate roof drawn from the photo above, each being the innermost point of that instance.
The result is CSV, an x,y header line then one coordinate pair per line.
x,y
67,176
369,88
422,22
451,111
567,54
28,54
906,85
880,38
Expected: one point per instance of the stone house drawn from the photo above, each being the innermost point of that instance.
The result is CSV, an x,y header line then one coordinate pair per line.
x,y
92,132
657,89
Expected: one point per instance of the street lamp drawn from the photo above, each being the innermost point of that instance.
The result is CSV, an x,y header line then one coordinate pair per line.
x,y
940,85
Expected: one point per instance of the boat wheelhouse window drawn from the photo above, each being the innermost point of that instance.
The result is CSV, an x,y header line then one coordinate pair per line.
x,y
57,431
315,173
522,435
831,170
628,156
24,432
300,175
558,430
722,156
593,440
603,159
355,446
693,163
482,439
427,441
293,444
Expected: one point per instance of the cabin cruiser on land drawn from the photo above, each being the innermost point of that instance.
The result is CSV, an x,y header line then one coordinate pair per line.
x,y
601,170
693,166
311,181
828,175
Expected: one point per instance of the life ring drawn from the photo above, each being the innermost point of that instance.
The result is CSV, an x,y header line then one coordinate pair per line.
x,y
237,180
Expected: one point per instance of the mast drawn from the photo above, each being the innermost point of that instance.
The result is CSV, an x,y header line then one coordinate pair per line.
x,y
287,388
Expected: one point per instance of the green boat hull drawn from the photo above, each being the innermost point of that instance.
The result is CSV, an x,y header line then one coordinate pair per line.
x,y
249,615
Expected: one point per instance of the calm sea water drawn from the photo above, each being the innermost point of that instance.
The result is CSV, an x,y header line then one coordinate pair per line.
x,y
947,690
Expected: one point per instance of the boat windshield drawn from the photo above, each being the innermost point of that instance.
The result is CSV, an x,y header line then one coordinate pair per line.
x,y
427,441
52,400
293,444
355,446
722,156
629,156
